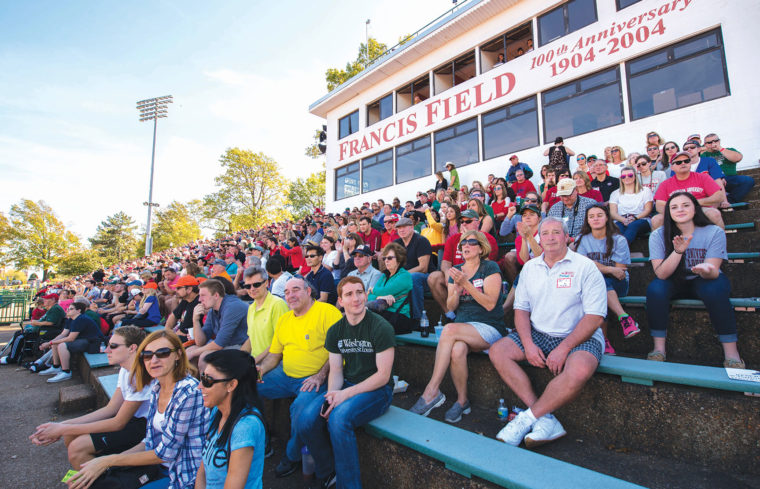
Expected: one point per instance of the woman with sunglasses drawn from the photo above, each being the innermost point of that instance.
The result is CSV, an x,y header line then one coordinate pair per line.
x,y
600,242
170,453
393,288
648,177
631,205
475,295
686,254
618,161
669,149
117,426
233,452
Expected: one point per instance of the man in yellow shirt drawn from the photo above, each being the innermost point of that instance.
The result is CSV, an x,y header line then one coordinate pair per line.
x,y
263,314
296,365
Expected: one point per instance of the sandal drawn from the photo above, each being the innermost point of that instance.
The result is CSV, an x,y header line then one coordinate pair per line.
x,y
656,356
731,363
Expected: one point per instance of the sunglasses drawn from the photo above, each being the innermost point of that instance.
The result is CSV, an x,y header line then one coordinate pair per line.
x,y
469,242
627,175
579,159
689,147
616,151
679,162
389,258
713,141
146,355
476,196
466,221
651,134
530,200
668,148
208,381
114,346
642,165
254,285
311,256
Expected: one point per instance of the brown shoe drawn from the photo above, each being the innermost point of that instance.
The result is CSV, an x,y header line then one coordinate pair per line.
x,y
656,356
731,363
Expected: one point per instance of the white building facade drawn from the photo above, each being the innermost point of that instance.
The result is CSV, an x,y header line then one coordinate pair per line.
x,y
500,77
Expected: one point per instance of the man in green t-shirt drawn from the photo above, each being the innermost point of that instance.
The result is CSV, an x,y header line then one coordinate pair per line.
x,y
737,186
53,318
359,388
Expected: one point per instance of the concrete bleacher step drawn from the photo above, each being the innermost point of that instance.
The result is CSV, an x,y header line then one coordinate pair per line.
x,y
75,398
711,428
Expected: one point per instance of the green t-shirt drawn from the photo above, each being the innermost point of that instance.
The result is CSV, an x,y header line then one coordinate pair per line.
x,y
454,180
359,344
728,167
55,315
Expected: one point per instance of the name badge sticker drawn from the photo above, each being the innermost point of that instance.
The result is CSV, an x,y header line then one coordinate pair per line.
x,y
478,283
564,283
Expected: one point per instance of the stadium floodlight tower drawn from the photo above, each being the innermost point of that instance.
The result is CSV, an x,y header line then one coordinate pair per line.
x,y
152,109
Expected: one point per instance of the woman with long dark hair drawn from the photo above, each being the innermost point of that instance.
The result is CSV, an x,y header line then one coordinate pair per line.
x,y
233,454
451,222
686,254
601,242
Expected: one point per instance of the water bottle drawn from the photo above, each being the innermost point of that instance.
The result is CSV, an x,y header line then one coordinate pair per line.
x,y
424,325
102,347
502,412
307,463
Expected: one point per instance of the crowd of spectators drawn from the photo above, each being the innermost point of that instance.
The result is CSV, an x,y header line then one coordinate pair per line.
x,y
313,305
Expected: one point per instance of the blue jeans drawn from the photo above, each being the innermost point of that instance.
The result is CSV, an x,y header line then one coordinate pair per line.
x,y
639,227
714,293
419,286
319,433
277,385
738,186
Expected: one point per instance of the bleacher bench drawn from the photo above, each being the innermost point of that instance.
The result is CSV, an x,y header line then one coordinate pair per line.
x,y
638,371
731,257
740,304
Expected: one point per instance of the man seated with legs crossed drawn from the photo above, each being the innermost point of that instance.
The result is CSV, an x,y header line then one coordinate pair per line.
x,y
560,304
359,388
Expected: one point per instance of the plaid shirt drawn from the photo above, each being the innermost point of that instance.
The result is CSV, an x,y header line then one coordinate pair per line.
x,y
180,441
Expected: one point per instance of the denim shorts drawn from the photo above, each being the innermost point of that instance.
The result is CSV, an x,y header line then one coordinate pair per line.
x,y
619,286
548,343
489,334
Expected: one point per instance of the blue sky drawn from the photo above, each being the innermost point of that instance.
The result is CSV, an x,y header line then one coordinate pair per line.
x,y
242,73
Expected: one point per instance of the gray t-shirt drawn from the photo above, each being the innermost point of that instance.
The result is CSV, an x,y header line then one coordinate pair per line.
x,y
596,249
708,242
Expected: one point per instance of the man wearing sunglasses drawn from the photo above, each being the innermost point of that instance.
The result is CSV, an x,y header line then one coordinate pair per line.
x,y
737,186
181,318
297,366
452,255
700,185
263,314
321,277
226,323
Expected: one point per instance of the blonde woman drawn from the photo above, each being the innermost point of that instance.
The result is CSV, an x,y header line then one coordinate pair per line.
x,y
618,161
631,205
148,313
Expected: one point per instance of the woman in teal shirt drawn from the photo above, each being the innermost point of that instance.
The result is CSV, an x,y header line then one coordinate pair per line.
x,y
390,295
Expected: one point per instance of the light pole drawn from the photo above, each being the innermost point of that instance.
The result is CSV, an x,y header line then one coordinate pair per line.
x,y
366,38
152,109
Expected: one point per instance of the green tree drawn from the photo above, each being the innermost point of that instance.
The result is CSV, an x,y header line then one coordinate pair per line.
x,y
307,193
115,238
335,76
37,238
251,192
175,225
79,262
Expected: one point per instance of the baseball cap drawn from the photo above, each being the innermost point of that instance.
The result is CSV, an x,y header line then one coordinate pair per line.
x,y
470,214
362,249
680,153
513,157
150,285
134,283
392,217
50,296
404,221
187,281
530,208
565,187
591,157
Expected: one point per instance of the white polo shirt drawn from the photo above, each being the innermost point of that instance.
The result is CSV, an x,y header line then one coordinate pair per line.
x,y
558,297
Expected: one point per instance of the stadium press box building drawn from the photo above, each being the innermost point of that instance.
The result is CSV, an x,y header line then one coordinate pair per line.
x,y
494,78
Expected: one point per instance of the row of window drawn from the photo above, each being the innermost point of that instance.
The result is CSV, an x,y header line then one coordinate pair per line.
x,y
558,22
684,74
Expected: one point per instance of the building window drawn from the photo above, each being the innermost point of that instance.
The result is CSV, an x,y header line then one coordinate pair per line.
x,y
509,129
457,144
584,105
377,171
506,47
621,4
348,125
414,93
687,73
413,160
380,109
567,18
454,72
347,181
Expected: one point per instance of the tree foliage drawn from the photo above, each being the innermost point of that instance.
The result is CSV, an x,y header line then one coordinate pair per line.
x,y
175,225
251,192
37,238
335,76
115,238
306,194
79,262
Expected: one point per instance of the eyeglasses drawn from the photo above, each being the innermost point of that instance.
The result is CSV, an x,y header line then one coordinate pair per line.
x,y
713,141
627,175
146,355
389,258
208,381
469,242
311,256
679,162
114,346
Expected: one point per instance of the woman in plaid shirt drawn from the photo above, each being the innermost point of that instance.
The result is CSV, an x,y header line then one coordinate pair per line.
x,y
170,454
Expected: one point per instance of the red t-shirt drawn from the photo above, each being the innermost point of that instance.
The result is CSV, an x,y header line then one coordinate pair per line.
x,y
452,254
551,196
372,239
387,238
594,194
523,188
700,185
500,208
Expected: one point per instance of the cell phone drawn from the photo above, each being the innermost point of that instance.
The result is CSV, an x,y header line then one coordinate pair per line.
x,y
325,407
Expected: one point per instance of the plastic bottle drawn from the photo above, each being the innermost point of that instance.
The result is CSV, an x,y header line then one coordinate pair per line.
x,y
307,463
515,411
424,325
103,347
502,412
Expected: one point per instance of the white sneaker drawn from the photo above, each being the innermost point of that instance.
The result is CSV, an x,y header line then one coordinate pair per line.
x,y
516,429
51,371
4,360
546,429
59,377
